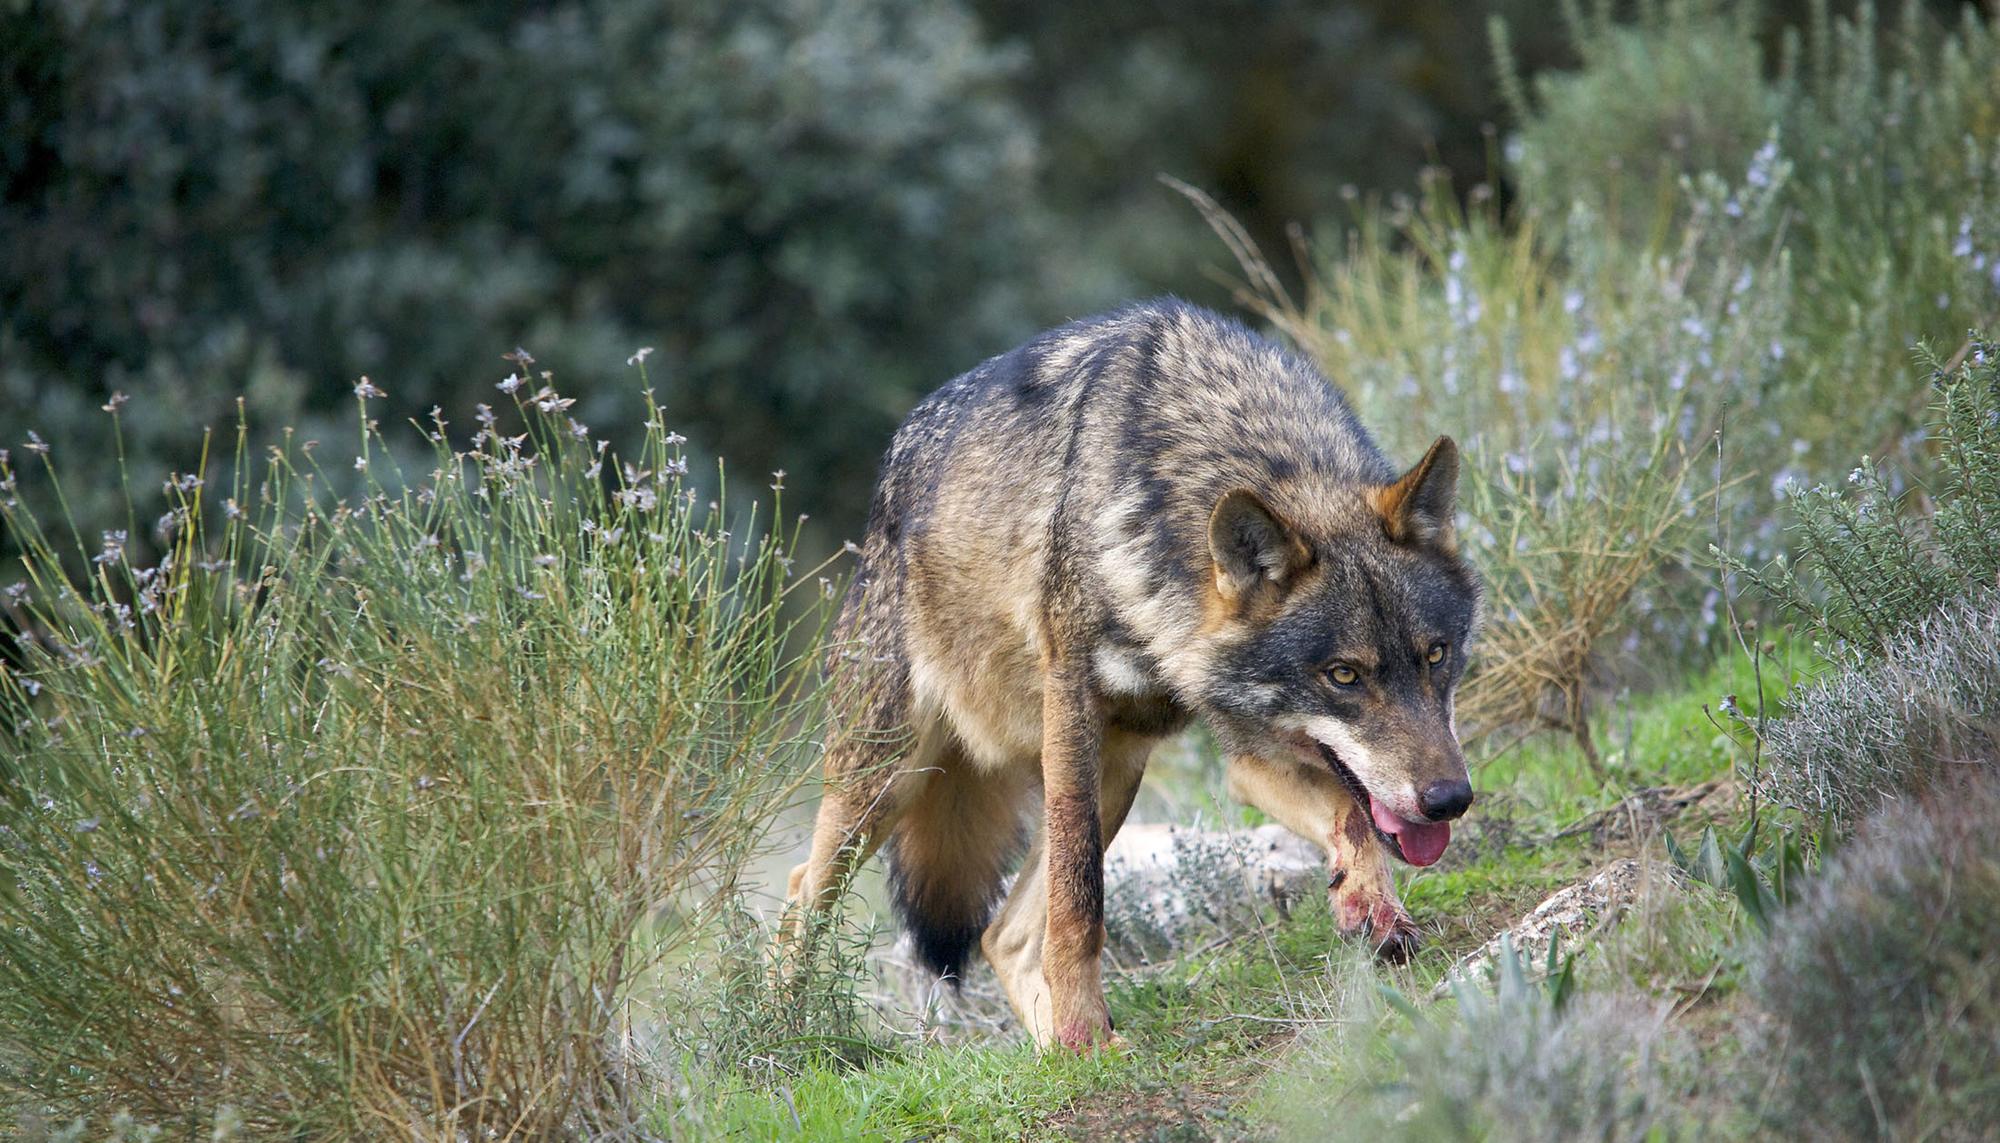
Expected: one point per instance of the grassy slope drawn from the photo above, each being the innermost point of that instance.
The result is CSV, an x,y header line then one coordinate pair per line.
x,y
1212,1036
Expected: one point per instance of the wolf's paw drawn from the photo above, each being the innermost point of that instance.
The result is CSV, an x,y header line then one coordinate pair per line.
x,y
1089,1033
1376,918
1397,943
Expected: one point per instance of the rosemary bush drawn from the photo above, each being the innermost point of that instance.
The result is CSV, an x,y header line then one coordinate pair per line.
x,y
1927,707
1872,563
376,813
1888,128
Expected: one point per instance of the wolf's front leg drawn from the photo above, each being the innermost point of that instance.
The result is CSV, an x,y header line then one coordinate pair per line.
x,y
1309,800
1073,859
1016,938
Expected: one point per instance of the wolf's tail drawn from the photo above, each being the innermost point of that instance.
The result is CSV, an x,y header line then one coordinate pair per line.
x,y
948,858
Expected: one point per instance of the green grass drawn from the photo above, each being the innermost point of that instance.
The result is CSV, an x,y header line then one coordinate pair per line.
x,y
1659,739
1463,905
973,1093
1196,1033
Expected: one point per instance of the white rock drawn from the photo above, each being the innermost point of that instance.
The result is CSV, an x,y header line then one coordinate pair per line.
x,y
1599,902
1161,882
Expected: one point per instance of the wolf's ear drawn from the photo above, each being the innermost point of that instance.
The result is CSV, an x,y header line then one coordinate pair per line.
x,y
1419,507
1251,546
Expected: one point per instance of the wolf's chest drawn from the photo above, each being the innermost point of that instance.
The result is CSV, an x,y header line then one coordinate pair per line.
x,y
1135,699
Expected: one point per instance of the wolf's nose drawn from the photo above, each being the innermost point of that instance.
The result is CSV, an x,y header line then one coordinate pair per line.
x,y
1443,801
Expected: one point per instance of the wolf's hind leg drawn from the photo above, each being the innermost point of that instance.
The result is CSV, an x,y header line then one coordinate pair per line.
x,y
856,812
1013,943
870,782
1311,802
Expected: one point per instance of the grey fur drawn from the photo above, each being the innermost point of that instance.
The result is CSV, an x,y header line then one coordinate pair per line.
x,y
1078,545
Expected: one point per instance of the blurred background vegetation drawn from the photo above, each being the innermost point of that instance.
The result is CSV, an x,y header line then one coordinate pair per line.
x,y
815,210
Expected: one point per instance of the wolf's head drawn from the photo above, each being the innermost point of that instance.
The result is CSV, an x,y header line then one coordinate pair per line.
x,y
1344,637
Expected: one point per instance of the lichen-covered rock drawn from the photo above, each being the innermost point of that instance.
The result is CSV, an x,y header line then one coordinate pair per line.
x,y
1590,905
1165,885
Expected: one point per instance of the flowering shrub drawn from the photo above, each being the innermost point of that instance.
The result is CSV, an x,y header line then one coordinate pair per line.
x,y
1888,215
361,812
1864,567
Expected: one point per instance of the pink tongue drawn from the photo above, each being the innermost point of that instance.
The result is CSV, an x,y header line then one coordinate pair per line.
x,y
1421,844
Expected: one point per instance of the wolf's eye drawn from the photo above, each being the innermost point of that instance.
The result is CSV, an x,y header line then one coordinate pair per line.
x,y
1343,674
1436,654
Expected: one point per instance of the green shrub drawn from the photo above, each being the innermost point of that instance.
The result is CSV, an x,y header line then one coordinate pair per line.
x,y
381,814
1878,997
1923,709
1892,128
1887,132
815,210
1867,566
1678,92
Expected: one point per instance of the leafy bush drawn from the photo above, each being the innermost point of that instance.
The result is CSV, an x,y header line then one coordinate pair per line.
x,y
1878,996
1676,93
1895,140
1925,708
1868,567
1276,106
376,814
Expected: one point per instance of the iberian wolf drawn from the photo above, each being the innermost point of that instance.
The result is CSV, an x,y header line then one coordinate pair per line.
x,y
1129,522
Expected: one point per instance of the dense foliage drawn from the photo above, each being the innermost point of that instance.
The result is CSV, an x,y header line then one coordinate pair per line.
x,y
1877,136
1873,558
813,211
1904,588
808,209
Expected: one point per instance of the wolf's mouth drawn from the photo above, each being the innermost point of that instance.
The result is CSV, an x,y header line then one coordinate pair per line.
x,y
1419,843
